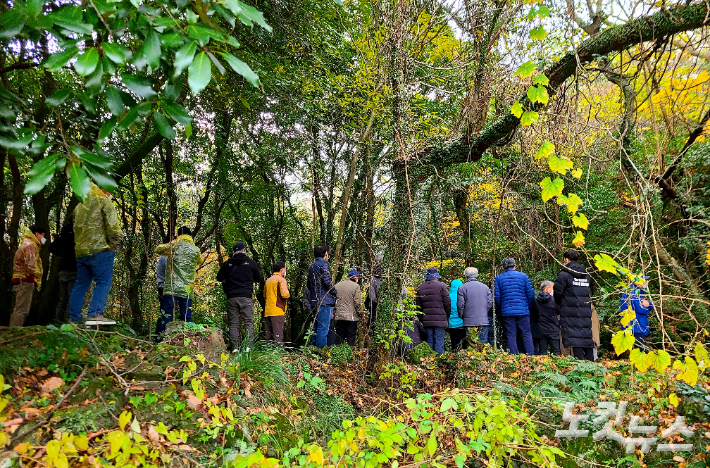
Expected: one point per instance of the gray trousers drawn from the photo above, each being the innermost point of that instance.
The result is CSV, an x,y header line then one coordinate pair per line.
x,y
66,284
241,309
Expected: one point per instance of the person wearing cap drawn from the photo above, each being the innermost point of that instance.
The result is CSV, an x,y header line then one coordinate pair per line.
x,y
475,305
276,293
348,309
27,273
97,235
637,299
238,275
435,304
321,294
514,295
182,260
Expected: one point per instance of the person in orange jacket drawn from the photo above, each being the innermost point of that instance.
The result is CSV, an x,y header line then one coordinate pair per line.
x,y
27,274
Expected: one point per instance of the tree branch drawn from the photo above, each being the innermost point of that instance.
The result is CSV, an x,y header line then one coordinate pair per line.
x,y
643,29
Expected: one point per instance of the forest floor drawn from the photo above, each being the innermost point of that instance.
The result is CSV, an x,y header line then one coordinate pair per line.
x,y
87,398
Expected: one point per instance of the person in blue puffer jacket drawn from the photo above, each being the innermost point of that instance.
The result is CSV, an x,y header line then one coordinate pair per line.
x,y
639,301
456,328
514,295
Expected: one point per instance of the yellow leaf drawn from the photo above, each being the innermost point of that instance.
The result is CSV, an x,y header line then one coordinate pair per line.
x,y
517,110
688,370
701,356
578,240
124,419
316,454
581,221
115,438
640,360
577,173
52,448
22,448
627,316
605,263
673,398
81,442
623,341
662,361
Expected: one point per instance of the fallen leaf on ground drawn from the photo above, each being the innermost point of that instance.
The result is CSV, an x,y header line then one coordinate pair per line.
x,y
51,384
193,402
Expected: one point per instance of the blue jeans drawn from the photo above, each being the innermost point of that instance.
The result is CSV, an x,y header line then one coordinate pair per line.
x,y
321,326
514,323
99,269
168,306
485,334
435,338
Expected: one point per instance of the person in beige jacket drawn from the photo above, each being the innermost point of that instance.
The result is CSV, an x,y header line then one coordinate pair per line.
x,y
27,274
348,309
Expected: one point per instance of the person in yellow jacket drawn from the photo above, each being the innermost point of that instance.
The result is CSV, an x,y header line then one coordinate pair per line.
x,y
97,234
276,293
27,274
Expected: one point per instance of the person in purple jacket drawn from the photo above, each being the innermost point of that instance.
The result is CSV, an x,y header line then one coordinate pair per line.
x,y
514,294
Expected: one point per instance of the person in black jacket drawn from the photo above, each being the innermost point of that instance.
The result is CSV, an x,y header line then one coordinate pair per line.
x,y
571,292
545,314
63,246
434,302
238,275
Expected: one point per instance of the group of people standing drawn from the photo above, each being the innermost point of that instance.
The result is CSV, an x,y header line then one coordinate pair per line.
x,y
533,322
559,315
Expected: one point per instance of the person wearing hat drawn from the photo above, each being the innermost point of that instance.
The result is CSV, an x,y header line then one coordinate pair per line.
x,y
183,258
637,299
435,304
348,309
514,296
238,275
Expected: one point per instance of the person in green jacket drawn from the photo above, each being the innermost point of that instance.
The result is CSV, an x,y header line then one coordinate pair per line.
x,y
97,234
183,260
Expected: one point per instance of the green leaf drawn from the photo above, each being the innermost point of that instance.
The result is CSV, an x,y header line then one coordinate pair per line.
x,y
56,99
96,159
525,70
448,404
113,52
115,103
532,94
538,34
19,143
80,183
11,23
529,118
183,57
561,165
517,109
73,26
163,126
58,60
242,68
129,119
140,85
102,178
551,188
543,12
581,221
86,63
107,128
546,149
199,73
247,14
177,113
605,263
151,49
541,79
41,174
200,34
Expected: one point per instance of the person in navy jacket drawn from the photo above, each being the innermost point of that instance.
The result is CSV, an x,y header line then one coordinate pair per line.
x,y
514,295
639,301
